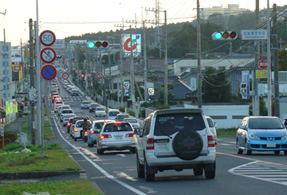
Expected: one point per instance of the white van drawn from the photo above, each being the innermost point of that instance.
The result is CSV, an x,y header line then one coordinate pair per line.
x,y
113,113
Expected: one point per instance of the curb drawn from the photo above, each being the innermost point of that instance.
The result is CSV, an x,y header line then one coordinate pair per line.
x,y
35,174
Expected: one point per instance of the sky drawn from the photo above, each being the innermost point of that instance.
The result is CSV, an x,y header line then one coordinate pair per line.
x,y
77,17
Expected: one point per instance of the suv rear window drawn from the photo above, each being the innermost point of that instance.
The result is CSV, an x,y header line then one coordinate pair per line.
x,y
117,127
169,124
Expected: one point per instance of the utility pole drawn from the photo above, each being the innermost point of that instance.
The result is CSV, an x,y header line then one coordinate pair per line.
x,y
199,84
165,63
276,69
132,72
145,65
32,105
269,91
255,97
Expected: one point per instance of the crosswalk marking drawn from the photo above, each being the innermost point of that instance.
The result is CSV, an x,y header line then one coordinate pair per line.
x,y
274,173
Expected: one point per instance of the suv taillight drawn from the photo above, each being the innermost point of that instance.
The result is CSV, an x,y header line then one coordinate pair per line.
x,y
131,135
75,130
69,124
92,131
105,136
86,133
211,142
150,144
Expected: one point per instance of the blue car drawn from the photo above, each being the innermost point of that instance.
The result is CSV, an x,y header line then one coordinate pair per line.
x,y
261,133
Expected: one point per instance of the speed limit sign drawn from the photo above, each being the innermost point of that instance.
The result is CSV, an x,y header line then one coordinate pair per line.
x,y
47,38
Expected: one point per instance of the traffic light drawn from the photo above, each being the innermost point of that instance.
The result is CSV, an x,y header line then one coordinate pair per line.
x,y
244,90
98,44
225,35
83,76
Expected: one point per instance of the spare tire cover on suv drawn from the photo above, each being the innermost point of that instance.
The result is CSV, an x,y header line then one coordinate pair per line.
x,y
187,144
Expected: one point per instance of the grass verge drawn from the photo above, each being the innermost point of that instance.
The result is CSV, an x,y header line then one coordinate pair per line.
x,y
77,187
221,133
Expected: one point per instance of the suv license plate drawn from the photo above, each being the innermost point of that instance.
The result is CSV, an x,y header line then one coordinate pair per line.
x,y
271,145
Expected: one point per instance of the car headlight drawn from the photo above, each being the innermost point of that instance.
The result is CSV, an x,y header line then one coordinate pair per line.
x,y
284,137
253,136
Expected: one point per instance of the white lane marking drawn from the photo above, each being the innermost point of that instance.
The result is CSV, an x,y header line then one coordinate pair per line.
x,y
263,171
121,155
98,167
122,174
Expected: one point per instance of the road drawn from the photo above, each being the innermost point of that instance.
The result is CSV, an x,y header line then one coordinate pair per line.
x,y
115,171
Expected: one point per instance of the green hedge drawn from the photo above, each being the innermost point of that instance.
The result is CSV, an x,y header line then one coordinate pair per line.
x,y
9,137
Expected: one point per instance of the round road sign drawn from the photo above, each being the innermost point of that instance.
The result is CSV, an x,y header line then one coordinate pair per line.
x,y
65,75
48,55
262,63
126,85
99,75
47,38
48,72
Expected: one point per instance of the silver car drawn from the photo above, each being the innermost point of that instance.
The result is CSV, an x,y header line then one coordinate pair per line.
x,y
116,136
66,118
212,128
95,130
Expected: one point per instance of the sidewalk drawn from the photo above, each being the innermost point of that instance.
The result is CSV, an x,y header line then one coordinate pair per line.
x,y
17,124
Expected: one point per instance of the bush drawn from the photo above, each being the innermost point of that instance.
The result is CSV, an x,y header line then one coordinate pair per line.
x,y
162,106
9,137
14,147
132,113
122,109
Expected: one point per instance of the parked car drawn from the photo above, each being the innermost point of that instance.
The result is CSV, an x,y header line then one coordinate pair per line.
x,y
100,111
64,112
112,113
175,139
120,117
116,136
261,133
95,130
93,106
66,118
85,104
212,128
78,129
133,122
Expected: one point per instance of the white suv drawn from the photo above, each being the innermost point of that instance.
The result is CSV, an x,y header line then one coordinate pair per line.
x,y
175,139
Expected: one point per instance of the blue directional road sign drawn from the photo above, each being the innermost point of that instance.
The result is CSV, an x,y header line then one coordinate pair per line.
x,y
48,72
48,55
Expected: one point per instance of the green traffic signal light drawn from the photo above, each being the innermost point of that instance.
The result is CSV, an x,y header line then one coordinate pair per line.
x,y
218,35
91,44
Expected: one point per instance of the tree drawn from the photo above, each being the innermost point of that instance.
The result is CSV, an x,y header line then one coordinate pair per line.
x,y
215,86
171,96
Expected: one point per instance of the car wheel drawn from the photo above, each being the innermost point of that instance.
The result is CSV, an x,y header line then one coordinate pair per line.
x,y
132,150
198,171
239,151
247,152
187,145
140,168
68,131
148,175
75,139
85,139
277,152
209,170
100,151
285,152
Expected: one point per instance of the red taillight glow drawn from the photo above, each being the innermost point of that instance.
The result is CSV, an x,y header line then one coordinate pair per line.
x,y
92,131
75,130
117,123
105,136
150,144
69,124
131,135
86,132
210,140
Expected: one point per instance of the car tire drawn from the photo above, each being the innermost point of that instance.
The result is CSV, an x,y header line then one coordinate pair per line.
x,y
75,139
140,168
277,152
239,151
132,150
285,152
247,152
85,138
100,151
209,170
198,171
187,145
148,175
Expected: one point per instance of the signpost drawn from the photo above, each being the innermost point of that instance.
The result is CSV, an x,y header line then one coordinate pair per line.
x,y
2,130
254,34
65,75
47,38
48,72
48,55
99,75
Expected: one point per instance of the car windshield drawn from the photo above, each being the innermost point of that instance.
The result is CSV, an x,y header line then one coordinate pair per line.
x,y
265,123
67,111
93,105
113,113
210,123
98,125
100,109
68,116
168,124
85,102
117,127
131,120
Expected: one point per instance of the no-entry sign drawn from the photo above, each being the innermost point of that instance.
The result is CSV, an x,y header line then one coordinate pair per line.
x,y
262,63
48,72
